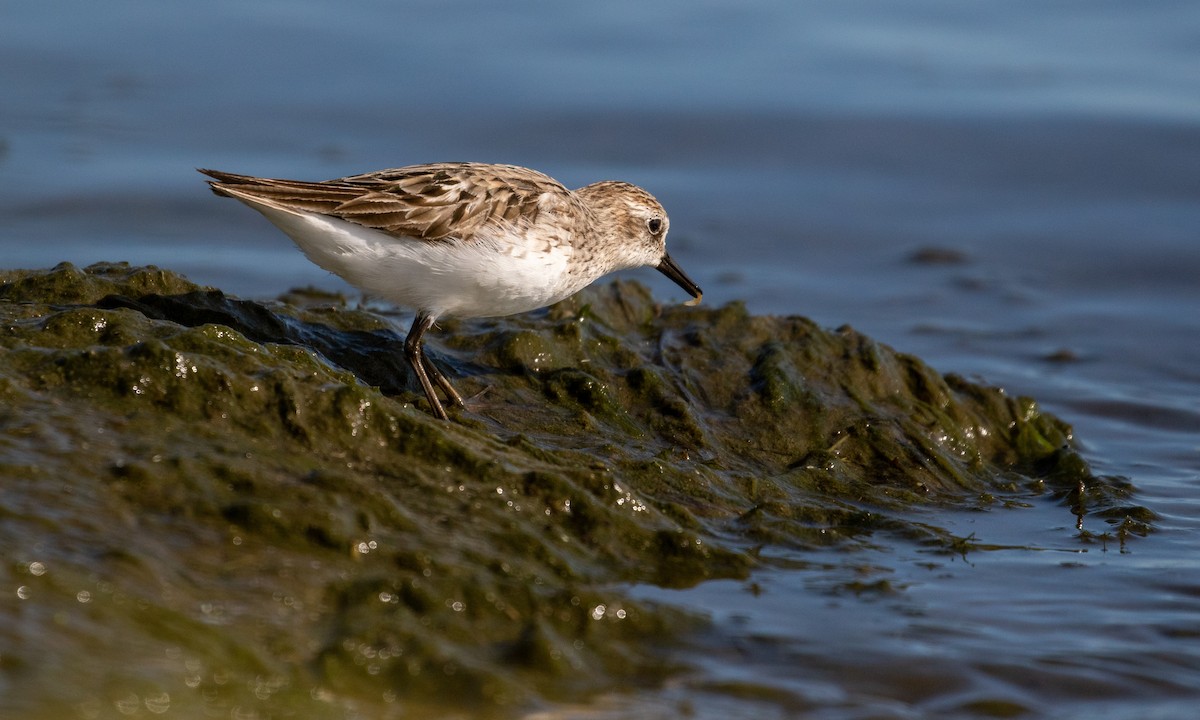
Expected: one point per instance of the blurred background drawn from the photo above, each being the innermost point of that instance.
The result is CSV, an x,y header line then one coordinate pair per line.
x,y
1009,190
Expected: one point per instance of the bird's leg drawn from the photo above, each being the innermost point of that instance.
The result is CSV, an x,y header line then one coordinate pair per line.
x,y
442,382
417,360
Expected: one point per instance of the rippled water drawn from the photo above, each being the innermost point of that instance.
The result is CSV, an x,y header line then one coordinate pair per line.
x,y
808,153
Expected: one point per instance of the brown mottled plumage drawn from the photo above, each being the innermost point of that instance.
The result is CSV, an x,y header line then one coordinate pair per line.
x,y
429,202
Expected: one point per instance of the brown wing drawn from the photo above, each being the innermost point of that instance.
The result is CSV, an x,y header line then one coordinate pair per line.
x,y
423,201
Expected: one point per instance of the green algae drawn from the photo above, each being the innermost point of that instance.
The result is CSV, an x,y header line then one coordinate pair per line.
x,y
239,505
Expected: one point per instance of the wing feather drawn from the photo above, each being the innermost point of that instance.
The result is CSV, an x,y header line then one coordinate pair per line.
x,y
430,202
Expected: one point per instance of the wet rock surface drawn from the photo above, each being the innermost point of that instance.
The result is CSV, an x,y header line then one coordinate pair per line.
x,y
221,504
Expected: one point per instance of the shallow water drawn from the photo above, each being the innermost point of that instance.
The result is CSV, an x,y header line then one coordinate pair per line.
x,y
806,152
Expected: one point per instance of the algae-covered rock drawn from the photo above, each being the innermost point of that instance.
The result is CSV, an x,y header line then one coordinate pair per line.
x,y
220,506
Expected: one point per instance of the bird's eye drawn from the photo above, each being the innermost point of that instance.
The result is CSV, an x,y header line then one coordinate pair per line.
x,y
655,225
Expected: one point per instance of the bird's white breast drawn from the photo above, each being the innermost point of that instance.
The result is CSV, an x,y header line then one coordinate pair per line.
x,y
501,271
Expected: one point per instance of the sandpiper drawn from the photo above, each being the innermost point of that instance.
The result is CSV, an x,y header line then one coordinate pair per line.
x,y
463,239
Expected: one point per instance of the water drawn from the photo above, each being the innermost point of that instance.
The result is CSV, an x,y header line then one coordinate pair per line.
x,y
807,152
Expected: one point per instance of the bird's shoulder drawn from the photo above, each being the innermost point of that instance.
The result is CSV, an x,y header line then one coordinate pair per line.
x,y
446,199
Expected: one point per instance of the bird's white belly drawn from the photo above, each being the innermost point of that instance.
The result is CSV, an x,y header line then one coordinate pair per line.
x,y
488,276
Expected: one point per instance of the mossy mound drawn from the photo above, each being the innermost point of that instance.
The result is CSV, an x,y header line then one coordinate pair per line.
x,y
227,505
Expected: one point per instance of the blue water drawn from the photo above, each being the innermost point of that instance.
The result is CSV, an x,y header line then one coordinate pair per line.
x,y
805,151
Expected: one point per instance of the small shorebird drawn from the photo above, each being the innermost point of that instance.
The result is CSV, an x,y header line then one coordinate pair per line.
x,y
463,239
